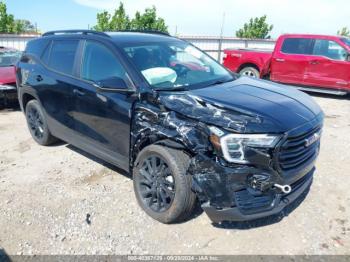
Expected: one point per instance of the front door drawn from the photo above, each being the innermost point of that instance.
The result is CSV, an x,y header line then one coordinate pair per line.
x,y
329,66
288,64
102,117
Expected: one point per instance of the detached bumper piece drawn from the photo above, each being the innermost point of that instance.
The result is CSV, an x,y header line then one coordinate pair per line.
x,y
250,206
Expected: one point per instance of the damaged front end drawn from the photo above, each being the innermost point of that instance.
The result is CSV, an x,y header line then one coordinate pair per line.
x,y
235,182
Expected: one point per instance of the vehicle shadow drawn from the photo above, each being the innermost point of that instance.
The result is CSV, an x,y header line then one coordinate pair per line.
x,y
98,160
266,221
4,257
330,96
13,107
197,209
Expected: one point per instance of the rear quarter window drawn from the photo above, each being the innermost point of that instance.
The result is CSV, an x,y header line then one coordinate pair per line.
x,y
301,46
37,46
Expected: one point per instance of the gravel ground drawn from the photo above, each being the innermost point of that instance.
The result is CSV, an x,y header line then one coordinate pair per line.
x,y
58,200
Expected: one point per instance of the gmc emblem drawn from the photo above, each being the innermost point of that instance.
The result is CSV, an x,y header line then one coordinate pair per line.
x,y
314,138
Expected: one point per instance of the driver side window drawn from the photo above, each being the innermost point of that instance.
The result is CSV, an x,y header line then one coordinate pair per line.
x,y
330,49
99,63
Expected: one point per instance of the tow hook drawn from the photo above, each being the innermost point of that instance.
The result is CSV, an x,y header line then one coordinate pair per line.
x,y
284,188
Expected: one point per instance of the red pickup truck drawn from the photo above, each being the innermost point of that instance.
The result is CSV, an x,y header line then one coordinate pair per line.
x,y
321,63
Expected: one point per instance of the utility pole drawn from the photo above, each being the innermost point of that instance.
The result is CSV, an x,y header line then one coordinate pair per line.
x,y
221,36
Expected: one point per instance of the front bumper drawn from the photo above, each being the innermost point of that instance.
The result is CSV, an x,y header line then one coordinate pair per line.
x,y
8,94
278,203
233,192
226,193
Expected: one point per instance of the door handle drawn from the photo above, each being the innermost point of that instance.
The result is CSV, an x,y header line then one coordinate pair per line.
x,y
78,92
39,78
314,62
280,60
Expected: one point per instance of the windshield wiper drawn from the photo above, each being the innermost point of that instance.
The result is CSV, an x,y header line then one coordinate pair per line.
x,y
179,88
218,82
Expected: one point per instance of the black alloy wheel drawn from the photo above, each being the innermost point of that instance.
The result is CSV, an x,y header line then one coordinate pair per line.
x,y
35,122
157,184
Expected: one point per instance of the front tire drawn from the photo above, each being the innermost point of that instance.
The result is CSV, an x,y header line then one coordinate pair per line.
x,y
37,124
250,72
162,185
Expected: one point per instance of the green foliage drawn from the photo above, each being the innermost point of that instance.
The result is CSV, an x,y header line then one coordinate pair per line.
x,y
344,32
6,20
103,23
23,26
149,21
256,28
8,24
119,21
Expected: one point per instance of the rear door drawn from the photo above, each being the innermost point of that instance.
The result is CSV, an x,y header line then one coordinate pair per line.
x,y
290,60
54,85
329,65
102,117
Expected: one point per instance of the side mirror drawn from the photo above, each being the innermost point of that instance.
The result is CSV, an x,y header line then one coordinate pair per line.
x,y
348,58
116,83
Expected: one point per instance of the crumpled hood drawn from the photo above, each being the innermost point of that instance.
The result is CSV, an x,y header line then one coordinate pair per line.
x,y
246,105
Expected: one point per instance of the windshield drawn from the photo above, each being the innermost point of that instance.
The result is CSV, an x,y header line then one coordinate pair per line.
x,y
9,57
176,65
346,41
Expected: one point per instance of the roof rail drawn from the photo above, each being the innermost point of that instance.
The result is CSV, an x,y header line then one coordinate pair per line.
x,y
83,32
145,31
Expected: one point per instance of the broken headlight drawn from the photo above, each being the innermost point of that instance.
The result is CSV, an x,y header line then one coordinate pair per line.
x,y
233,145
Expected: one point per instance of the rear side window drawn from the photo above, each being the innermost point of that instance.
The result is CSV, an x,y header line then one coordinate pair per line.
x,y
301,46
99,63
62,55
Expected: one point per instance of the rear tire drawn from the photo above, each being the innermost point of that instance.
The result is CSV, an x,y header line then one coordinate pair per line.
x,y
250,72
37,124
162,185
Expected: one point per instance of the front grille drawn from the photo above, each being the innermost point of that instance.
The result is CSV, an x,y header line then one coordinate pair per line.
x,y
299,183
294,152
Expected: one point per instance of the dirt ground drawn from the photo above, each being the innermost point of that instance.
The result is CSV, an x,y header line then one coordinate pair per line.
x,y
58,200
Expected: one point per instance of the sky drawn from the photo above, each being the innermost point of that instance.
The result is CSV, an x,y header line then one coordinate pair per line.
x,y
193,17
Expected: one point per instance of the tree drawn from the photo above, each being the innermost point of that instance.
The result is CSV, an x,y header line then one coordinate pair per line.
x,y
6,20
256,28
120,21
8,24
23,26
149,21
344,32
103,23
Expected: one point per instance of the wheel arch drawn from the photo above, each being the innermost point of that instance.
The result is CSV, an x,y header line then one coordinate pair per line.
x,y
166,142
249,64
26,97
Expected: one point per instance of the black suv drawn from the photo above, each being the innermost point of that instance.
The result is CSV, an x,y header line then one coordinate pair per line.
x,y
185,127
